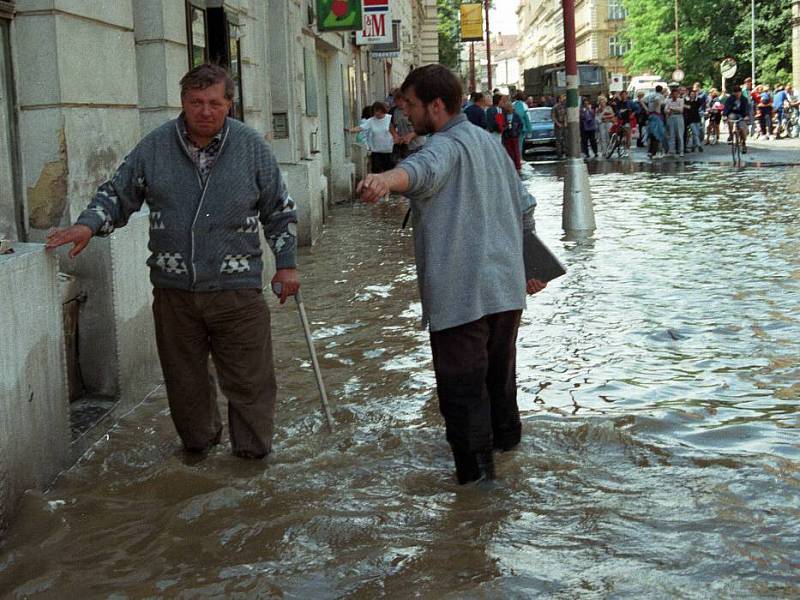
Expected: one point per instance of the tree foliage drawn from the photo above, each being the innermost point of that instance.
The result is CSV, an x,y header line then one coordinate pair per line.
x,y
449,32
709,31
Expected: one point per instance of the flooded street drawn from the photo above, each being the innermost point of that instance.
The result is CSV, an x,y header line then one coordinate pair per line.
x,y
659,386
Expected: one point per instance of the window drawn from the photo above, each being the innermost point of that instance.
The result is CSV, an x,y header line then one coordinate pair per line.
x,y
617,46
225,49
616,10
196,29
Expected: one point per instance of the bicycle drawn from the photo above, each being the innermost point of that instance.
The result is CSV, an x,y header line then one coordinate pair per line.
x,y
616,143
736,142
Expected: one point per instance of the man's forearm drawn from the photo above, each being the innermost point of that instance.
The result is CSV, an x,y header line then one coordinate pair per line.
x,y
396,180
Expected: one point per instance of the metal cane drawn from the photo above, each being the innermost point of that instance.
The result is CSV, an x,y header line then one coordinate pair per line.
x,y
314,363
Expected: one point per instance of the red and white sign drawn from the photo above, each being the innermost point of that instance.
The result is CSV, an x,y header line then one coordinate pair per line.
x,y
377,23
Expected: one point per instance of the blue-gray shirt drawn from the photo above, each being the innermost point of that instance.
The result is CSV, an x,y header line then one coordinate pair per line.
x,y
467,202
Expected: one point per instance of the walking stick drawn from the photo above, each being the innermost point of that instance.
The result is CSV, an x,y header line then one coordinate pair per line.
x,y
314,363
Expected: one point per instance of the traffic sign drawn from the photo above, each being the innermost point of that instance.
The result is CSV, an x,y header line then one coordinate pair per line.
x,y
728,67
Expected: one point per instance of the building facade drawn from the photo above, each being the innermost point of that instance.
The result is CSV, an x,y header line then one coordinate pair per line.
x,y
597,32
80,83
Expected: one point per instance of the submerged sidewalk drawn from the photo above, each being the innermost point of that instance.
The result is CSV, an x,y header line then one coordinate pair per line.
x,y
760,151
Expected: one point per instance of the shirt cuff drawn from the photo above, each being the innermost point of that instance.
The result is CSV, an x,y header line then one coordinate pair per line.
x,y
91,220
286,260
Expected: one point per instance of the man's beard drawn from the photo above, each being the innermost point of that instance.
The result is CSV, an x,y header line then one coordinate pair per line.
x,y
424,128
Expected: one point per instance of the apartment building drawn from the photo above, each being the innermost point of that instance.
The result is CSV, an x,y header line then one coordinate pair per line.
x,y
597,32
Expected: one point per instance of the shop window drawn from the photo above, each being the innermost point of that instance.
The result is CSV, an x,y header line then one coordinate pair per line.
x,y
197,35
224,48
214,37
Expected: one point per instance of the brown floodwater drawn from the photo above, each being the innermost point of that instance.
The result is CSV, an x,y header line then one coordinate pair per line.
x,y
659,385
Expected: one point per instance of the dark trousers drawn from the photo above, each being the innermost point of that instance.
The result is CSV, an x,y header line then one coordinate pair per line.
x,y
233,327
475,367
380,162
588,138
765,121
511,144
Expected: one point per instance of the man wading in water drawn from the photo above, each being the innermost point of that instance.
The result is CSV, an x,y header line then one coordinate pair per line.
x,y
208,181
468,207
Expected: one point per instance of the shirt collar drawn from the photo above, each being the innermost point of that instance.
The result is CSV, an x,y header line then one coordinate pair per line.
x,y
185,132
459,118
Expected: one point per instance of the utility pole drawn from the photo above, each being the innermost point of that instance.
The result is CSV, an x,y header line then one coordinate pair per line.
x,y
677,39
577,216
753,41
488,46
472,67
796,44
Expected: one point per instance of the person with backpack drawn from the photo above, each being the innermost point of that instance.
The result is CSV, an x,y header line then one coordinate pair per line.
x,y
513,129
765,112
494,117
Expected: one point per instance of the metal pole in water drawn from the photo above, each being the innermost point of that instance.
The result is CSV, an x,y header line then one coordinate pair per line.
x,y
276,289
314,363
578,212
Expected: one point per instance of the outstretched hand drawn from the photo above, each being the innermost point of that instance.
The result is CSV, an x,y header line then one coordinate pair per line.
x,y
78,235
372,188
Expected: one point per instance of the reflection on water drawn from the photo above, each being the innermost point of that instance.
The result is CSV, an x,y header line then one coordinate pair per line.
x,y
658,384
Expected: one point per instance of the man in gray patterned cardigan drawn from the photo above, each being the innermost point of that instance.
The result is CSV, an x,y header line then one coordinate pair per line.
x,y
208,181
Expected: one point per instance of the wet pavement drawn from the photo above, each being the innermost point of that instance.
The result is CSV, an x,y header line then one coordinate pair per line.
x,y
658,388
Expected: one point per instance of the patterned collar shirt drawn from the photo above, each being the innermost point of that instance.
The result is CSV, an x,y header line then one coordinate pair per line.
x,y
203,158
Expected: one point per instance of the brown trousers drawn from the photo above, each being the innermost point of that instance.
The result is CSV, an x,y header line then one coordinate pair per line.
x,y
475,365
233,326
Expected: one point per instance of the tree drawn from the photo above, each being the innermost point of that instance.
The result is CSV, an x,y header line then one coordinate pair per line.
x,y
449,32
709,31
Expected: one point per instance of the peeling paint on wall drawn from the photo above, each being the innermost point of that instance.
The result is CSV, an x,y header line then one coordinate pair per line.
x,y
47,199
101,162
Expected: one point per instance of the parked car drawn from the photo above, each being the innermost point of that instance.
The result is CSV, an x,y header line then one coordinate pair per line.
x,y
543,136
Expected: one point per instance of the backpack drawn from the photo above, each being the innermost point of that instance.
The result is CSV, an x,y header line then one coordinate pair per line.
x,y
508,132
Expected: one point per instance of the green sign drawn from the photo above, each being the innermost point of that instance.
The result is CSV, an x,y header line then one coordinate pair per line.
x,y
339,15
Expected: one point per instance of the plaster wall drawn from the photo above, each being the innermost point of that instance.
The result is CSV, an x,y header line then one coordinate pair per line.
x,y
34,416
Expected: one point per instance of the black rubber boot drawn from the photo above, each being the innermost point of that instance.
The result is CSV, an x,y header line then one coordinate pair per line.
x,y
466,467
485,462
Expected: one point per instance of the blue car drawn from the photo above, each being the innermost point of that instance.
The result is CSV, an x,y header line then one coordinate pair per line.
x,y
543,136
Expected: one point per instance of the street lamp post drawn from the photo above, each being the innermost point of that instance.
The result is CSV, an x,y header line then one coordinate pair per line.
x,y
753,41
577,216
488,47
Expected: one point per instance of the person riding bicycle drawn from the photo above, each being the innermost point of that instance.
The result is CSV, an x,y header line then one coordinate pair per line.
x,y
715,108
626,118
737,111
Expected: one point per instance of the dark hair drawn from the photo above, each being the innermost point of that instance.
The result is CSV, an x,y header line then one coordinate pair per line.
x,y
435,81
737,88
366,113
204,76
496,99
477,97
519,96
379,106
659,89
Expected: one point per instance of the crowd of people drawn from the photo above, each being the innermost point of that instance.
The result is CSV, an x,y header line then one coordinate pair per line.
x,y
667,121
676,120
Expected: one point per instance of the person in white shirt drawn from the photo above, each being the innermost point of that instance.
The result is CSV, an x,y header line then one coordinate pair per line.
x,y
379,138
675,125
